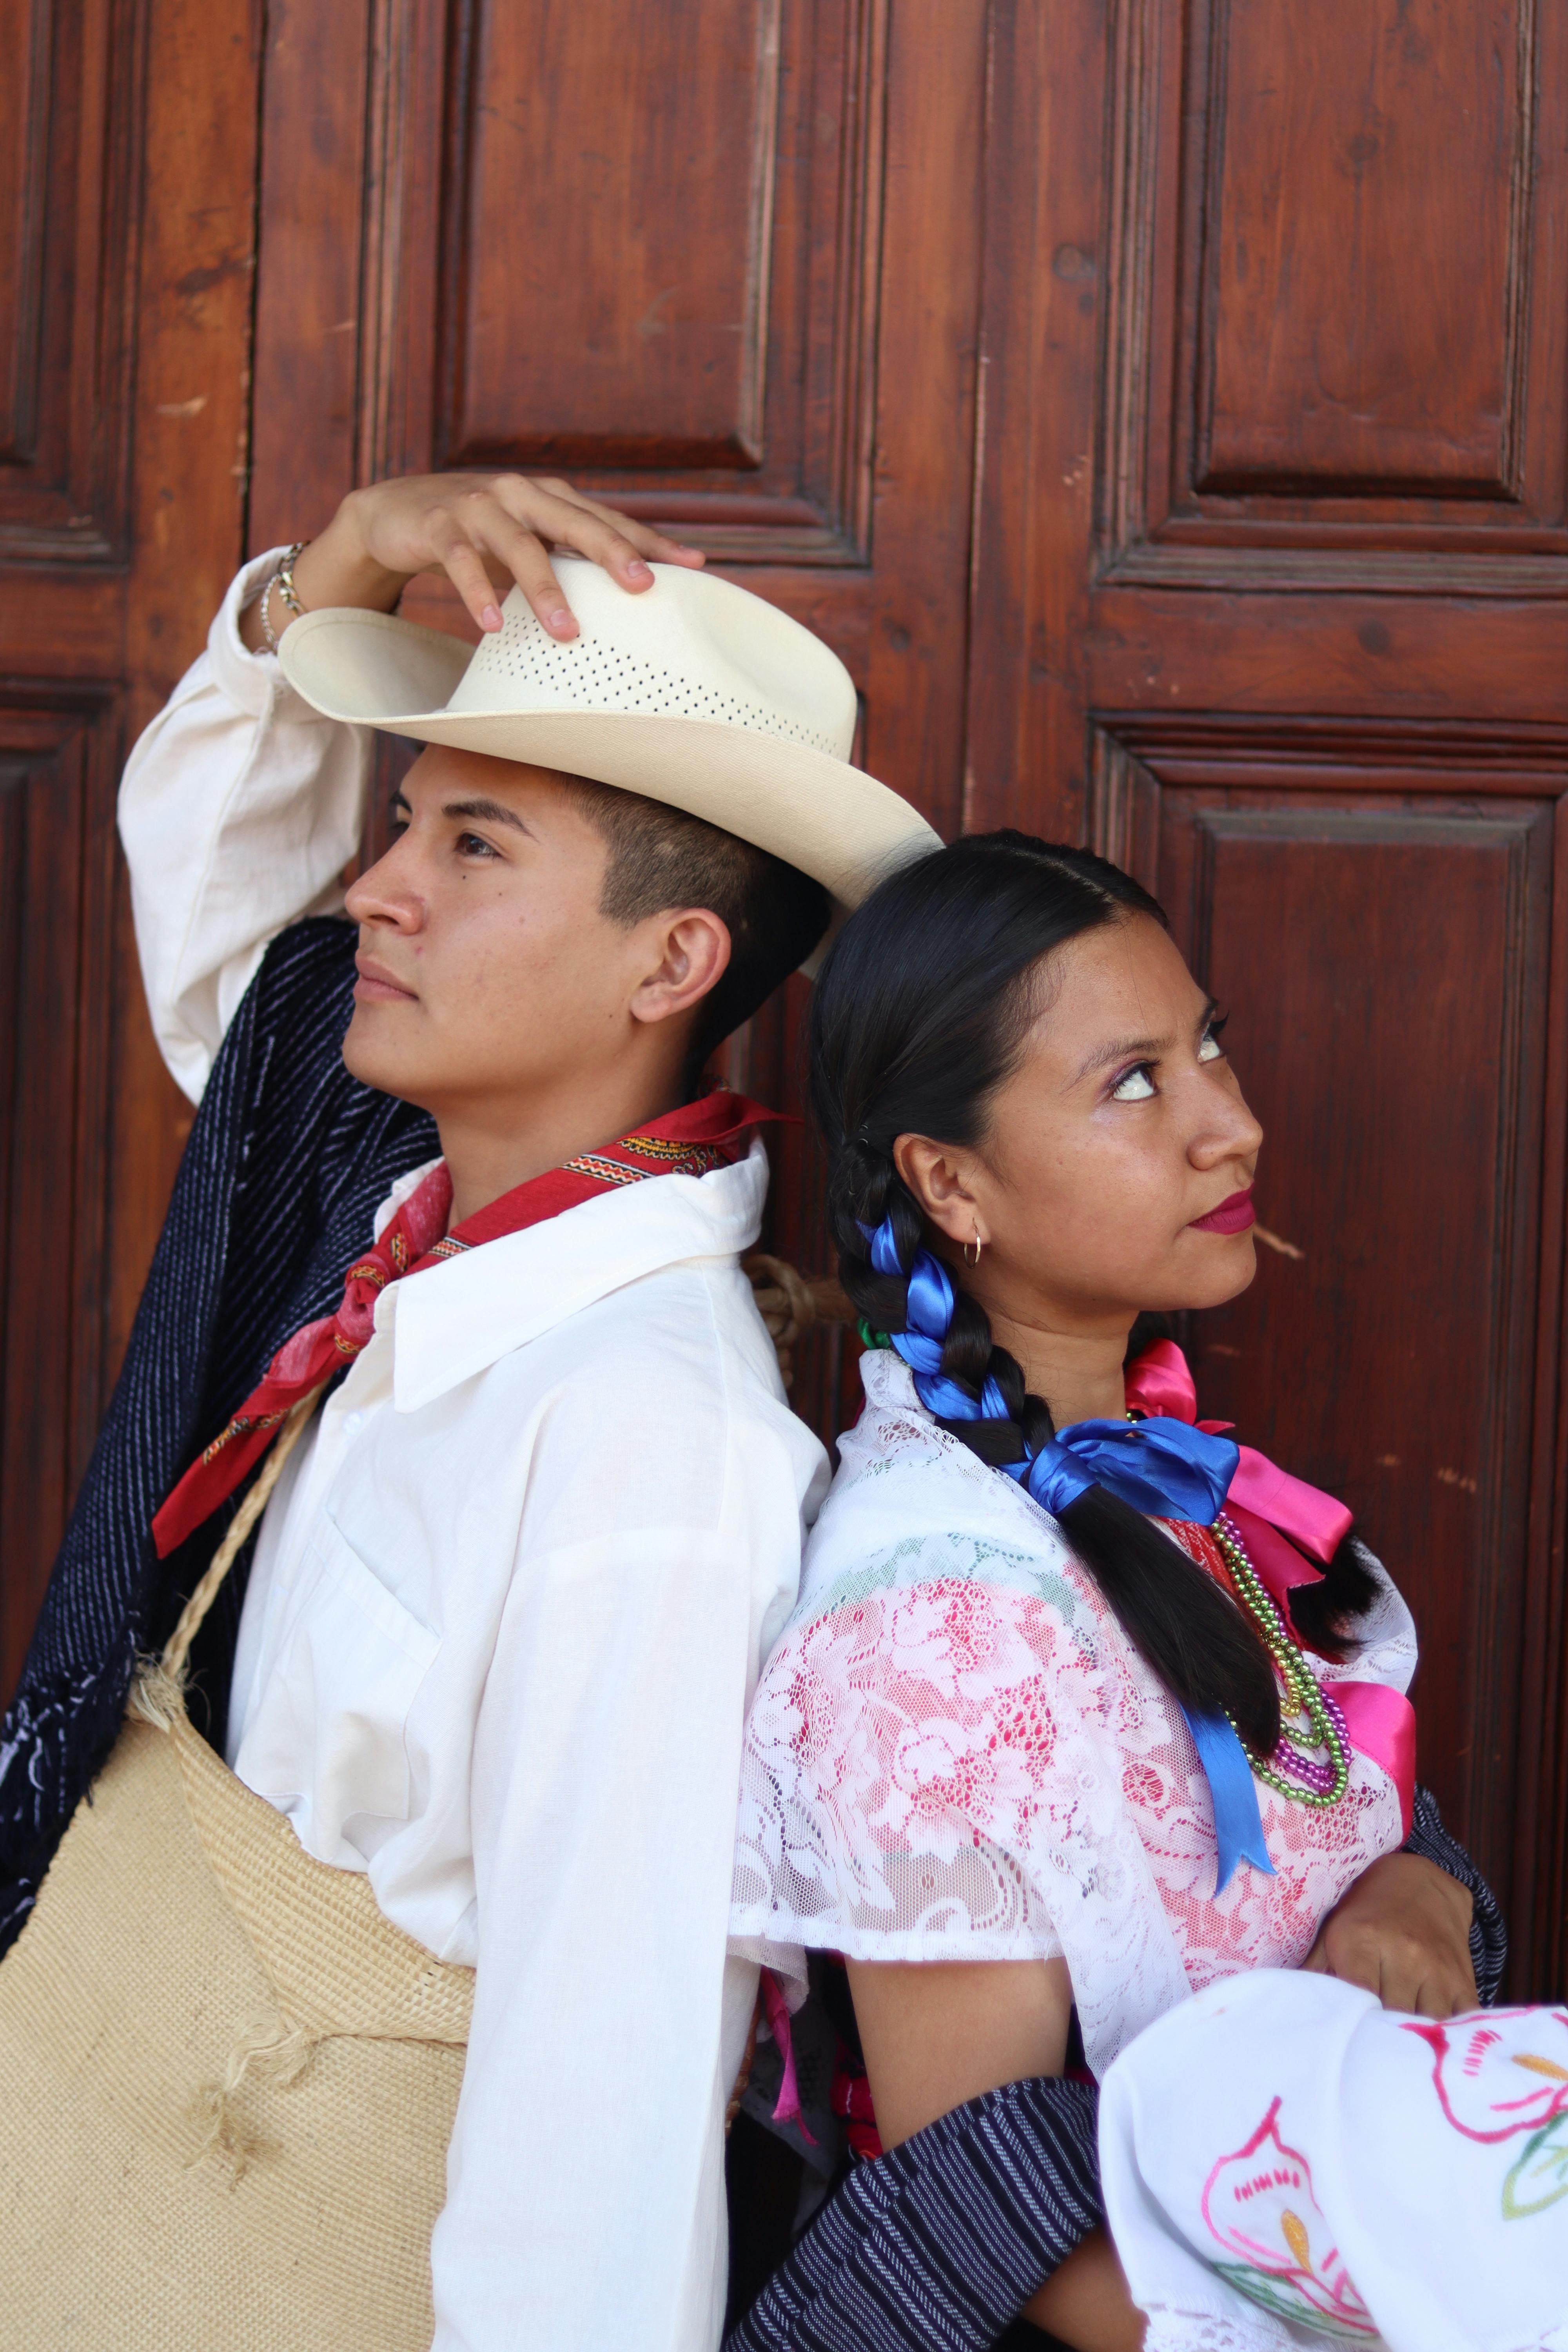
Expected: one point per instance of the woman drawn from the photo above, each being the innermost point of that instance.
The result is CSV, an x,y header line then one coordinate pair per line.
x,y
1082,1708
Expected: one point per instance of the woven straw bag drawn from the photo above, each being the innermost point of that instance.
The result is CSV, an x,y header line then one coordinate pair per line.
x,y
228,2080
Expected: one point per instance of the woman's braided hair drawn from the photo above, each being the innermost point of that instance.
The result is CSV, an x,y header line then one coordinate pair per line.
x,y
919,1016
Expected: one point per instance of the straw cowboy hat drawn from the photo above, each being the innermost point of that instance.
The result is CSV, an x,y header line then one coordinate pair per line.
x,y
695,693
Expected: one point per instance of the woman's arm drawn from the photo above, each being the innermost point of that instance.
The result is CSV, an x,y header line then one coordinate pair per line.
x,y
937,2034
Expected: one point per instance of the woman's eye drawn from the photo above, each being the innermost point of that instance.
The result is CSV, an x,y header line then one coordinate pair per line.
x,y
1211,1049
1137,1085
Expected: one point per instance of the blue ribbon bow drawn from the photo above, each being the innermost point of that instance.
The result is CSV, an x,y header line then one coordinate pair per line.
x,y
1173,1471
1169,1469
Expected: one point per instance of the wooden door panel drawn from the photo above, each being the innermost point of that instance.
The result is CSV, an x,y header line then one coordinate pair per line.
x,y
59,755
1357,314
556,273
851,506
1331,354
1377,911
67,220
659,358
127,163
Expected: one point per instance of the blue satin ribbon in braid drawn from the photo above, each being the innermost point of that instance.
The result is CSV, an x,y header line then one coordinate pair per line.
x,y
920,1343
1169,1469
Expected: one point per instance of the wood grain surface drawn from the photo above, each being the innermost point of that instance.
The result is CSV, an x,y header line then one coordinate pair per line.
x,y
1161,405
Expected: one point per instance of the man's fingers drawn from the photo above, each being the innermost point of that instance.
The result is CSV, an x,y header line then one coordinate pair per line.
x,y
461,563
614,541
523,557
551,510
653,542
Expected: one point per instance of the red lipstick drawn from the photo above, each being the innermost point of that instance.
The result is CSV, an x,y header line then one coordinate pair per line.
x,y
1232,1216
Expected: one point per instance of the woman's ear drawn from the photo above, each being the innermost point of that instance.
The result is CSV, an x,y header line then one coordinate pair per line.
x,y
938,1178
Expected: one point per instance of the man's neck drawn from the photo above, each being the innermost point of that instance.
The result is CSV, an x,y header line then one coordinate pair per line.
x,y
490,1149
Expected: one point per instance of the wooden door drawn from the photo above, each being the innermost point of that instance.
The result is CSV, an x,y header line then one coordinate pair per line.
x,y
1271,605
1159,403
127,168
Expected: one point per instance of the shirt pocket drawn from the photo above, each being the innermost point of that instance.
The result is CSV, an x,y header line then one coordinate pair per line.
x,y
329,1742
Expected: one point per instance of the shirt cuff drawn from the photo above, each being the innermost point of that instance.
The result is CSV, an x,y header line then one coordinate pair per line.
x,y
251,680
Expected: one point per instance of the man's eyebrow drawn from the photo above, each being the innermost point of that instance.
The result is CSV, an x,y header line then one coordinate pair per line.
x,y
1146,1049
487,812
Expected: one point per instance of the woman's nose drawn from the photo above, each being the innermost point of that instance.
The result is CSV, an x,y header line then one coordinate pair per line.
x,y
1229,1131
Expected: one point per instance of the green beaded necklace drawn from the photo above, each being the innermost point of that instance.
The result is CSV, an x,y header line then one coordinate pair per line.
x,y
1309,1719
1318,1724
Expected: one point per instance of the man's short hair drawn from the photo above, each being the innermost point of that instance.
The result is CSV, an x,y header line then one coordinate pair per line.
x,y
660,858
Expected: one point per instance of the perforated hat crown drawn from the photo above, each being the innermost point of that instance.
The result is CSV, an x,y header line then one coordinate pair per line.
x,y
695,693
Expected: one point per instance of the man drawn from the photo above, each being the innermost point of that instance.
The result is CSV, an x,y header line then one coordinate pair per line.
x,y
508,1598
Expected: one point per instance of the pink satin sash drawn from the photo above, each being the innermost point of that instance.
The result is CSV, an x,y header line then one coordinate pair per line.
x,y
1279,1518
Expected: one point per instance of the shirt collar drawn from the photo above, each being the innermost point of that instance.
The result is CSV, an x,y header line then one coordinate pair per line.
x,y
459,1317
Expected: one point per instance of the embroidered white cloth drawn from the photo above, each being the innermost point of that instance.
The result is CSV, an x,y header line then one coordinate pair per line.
x,y
956,1754
1286,2163
508,1604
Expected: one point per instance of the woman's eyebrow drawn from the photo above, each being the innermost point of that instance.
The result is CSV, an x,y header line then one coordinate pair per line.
x,y
1145,1048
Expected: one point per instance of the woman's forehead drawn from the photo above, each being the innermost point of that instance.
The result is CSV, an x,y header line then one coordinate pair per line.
x,y
1125,980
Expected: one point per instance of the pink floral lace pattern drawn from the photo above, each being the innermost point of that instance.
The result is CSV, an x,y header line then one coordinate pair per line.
x,y
955,1753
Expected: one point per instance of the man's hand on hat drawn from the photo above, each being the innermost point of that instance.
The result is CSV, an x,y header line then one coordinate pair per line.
x,y
483,530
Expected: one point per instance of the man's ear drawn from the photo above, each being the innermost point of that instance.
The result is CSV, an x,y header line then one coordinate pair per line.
x,y
937,1177
691,954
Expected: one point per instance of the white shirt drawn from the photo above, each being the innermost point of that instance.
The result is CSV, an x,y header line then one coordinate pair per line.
x,y
508,1606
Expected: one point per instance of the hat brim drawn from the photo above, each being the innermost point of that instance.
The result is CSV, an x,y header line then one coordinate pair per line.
x,y
831,820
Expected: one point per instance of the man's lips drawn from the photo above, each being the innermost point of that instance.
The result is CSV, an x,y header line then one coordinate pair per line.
x,y
1232,1216
375,984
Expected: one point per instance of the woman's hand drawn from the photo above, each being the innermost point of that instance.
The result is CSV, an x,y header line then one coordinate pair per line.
x,y
484,531
1403,1931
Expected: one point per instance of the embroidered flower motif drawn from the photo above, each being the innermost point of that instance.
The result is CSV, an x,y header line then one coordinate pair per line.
x,y
1259,2204
1501,2073
1504,2073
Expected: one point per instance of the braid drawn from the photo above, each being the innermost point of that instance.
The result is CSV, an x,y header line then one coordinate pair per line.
x,y
892,1054
864,1190
1179,1622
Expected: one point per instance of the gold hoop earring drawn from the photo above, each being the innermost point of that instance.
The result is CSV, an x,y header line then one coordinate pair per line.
x,y
977,1246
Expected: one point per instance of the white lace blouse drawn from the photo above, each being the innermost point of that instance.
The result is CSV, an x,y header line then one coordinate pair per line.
x,y
956,1754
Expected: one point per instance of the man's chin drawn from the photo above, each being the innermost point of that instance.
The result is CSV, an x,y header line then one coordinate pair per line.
x,y
378,1056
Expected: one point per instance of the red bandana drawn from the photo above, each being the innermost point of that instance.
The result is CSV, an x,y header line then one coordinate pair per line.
x,y
685,1142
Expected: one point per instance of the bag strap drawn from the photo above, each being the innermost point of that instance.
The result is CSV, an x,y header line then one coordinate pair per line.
x,y
194,1614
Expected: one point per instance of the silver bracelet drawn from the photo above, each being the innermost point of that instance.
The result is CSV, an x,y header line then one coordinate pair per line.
x,y
283,581
283,578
